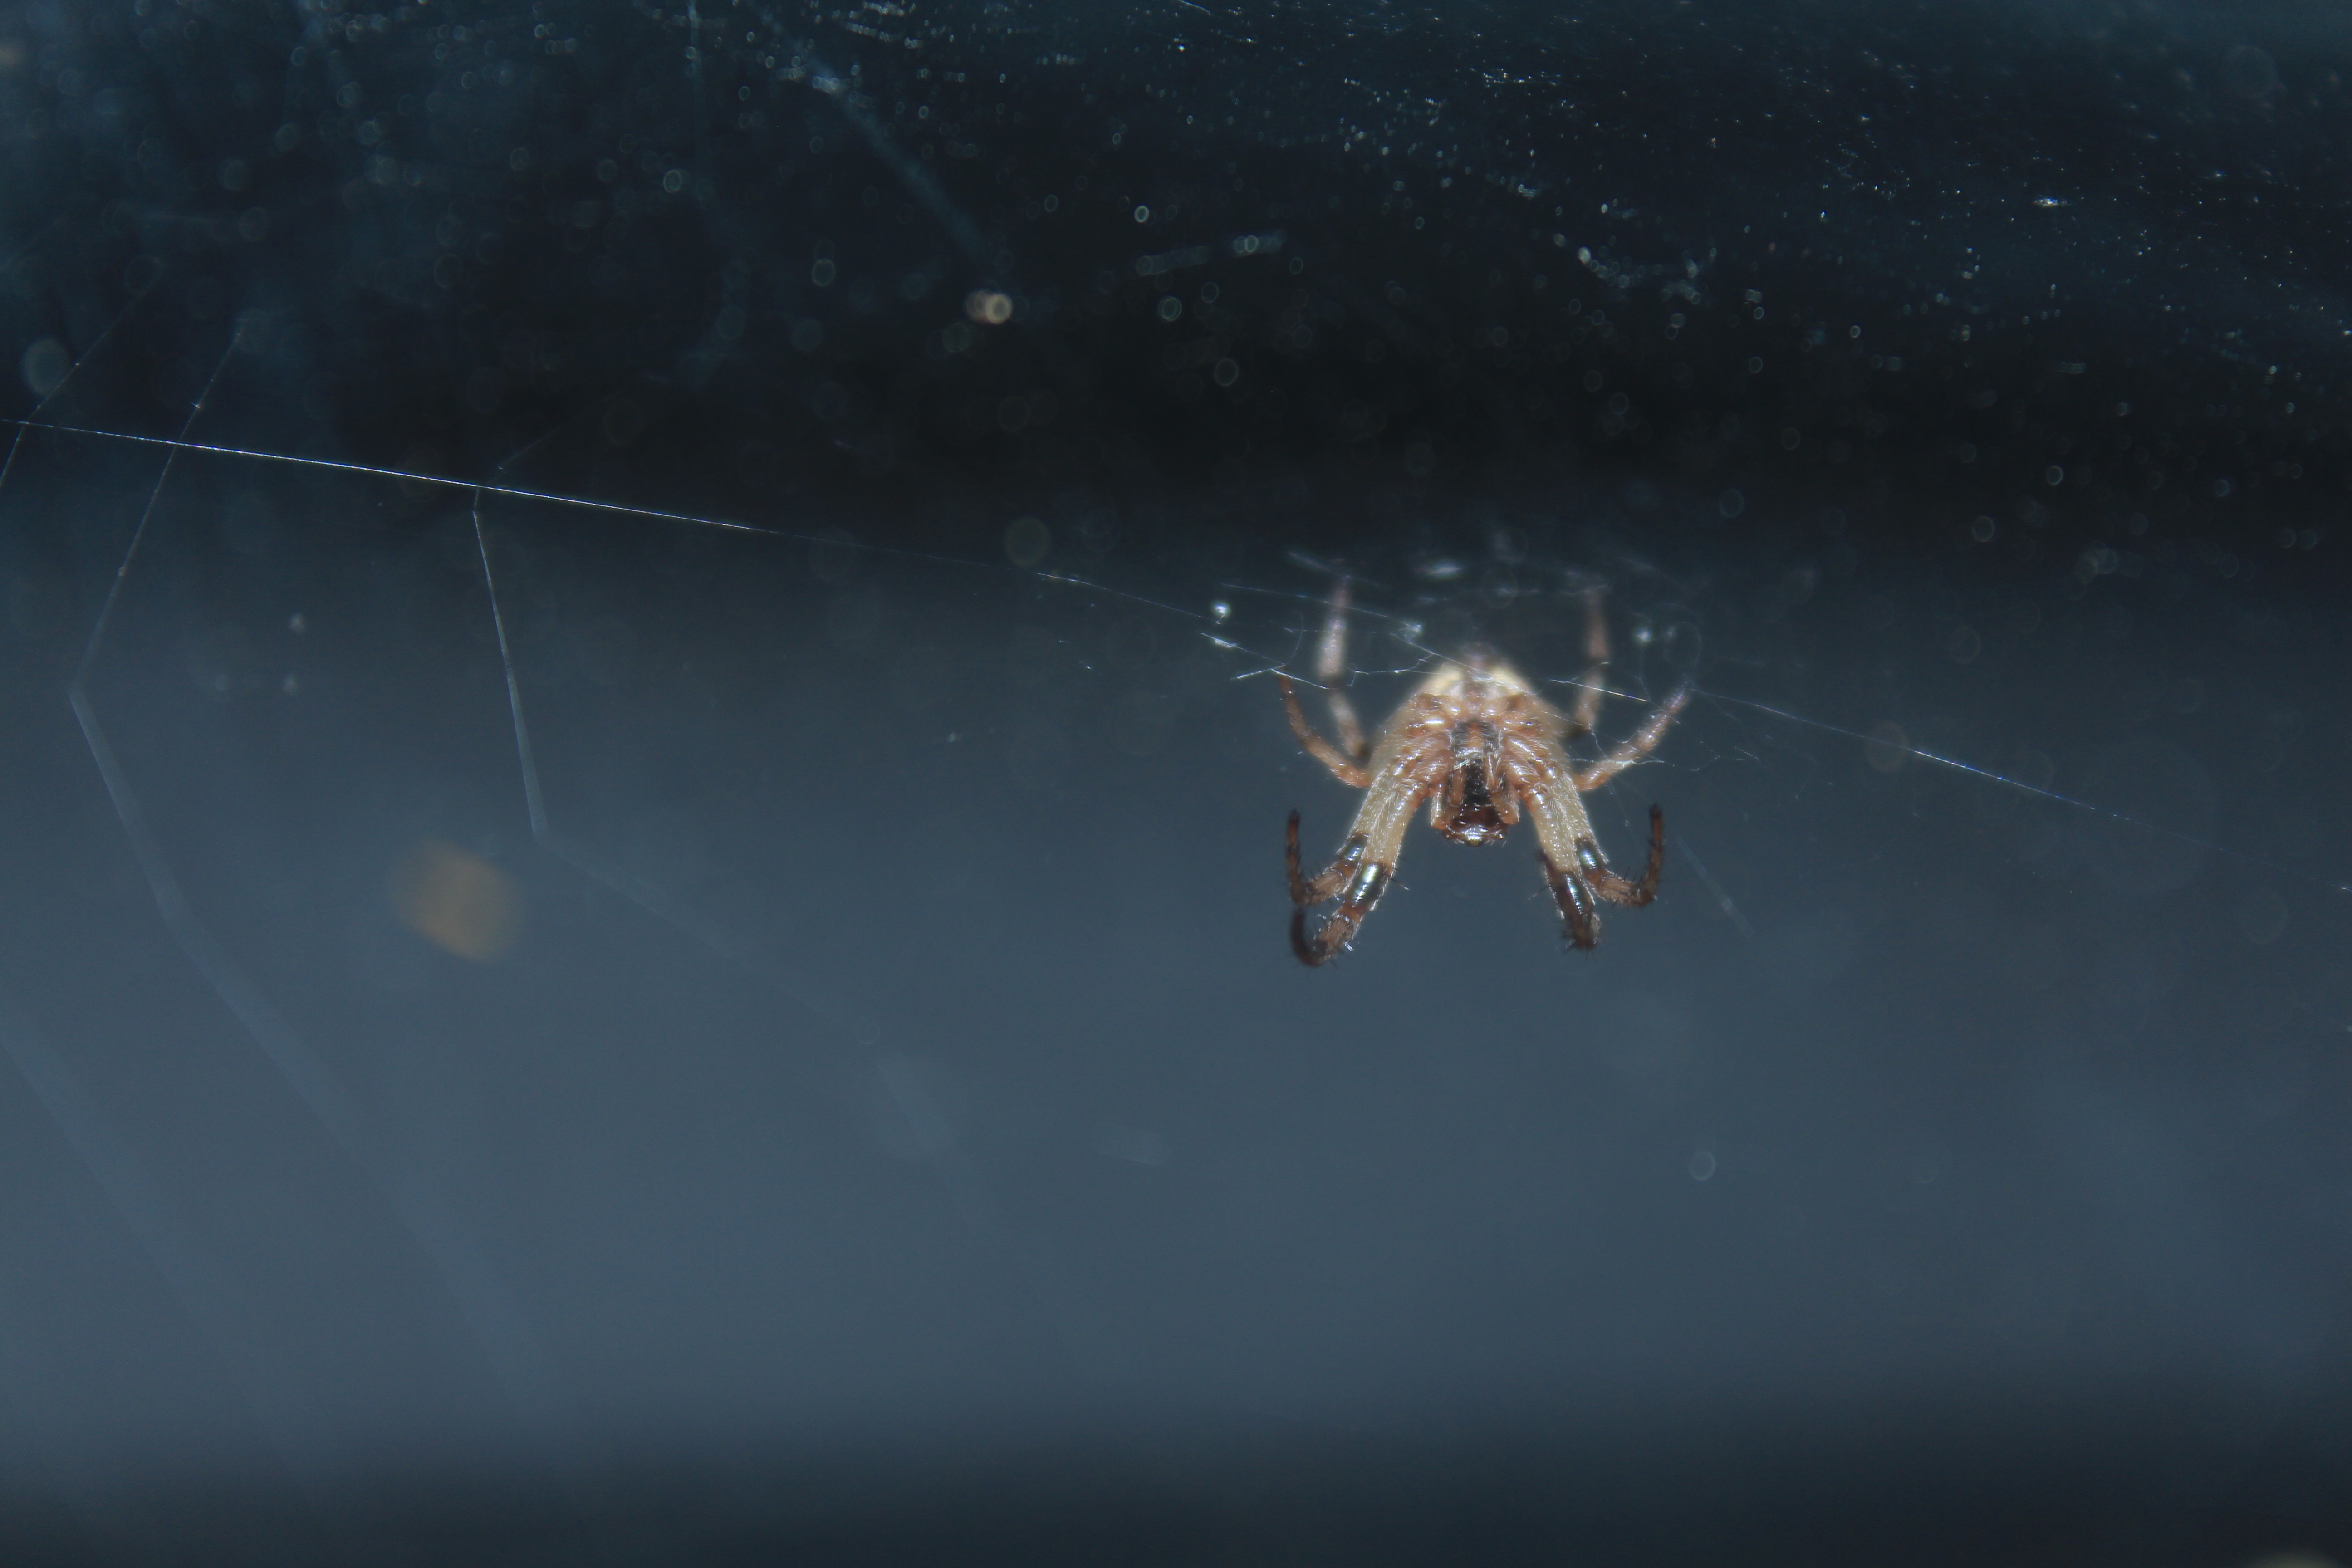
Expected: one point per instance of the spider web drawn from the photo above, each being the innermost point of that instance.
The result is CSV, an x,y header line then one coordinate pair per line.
x,y
973,854
591,625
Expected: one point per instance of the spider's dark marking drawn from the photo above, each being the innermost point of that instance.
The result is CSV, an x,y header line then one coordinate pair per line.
x,y
1580,917
1476,743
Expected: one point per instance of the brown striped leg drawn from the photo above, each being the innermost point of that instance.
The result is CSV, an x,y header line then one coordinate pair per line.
x,y
1586,712
1637,745
1349,771
1608,884
1579,914
1363,890
1331,667
1329,881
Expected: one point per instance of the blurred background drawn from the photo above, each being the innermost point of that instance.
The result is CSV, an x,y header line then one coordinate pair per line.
x,y
643,914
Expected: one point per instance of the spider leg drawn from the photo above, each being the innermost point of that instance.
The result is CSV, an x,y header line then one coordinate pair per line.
x,y
1358,886
1638,744
1577,907
1304,890
1330,664
1607,884
1349,771
1586,712
1580,878
1408,772
1339,928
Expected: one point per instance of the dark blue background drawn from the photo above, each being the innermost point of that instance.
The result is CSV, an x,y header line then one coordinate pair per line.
x,y
897,1127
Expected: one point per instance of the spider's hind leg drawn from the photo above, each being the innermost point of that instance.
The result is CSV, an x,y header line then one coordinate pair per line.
x,y
1331,665
1346,768
1638,744
1590,685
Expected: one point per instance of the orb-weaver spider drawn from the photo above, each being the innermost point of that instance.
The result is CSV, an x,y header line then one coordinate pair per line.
x,y
1480,746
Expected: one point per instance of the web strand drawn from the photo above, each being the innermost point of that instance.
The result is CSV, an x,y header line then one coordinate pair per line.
x,y
463,1267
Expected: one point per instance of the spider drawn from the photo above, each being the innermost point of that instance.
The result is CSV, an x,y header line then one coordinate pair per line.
x,y
1477,744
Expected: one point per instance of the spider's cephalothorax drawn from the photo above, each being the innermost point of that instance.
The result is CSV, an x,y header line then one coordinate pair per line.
x,y
1468,699
1476,743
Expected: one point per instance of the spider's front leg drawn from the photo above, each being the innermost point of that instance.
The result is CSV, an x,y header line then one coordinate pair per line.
x,y
1404,775
1609,885
1578,912
1357,882
1586,882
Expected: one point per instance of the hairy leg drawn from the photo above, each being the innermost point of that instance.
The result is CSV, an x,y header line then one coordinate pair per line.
x,y
1327,882
1339,928
1609,885
1331,666
1586,712
1347,770
1637,745
1358,886
1368,859
1579,916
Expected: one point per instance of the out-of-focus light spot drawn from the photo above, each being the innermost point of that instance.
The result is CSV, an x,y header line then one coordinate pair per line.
x,y
1702,1165
1963,646
43,366
988,307
1889,747
1026,541
1143,213
1982,529
1171,307
455,902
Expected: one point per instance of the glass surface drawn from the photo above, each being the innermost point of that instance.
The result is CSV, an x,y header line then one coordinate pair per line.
x,y
645,909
